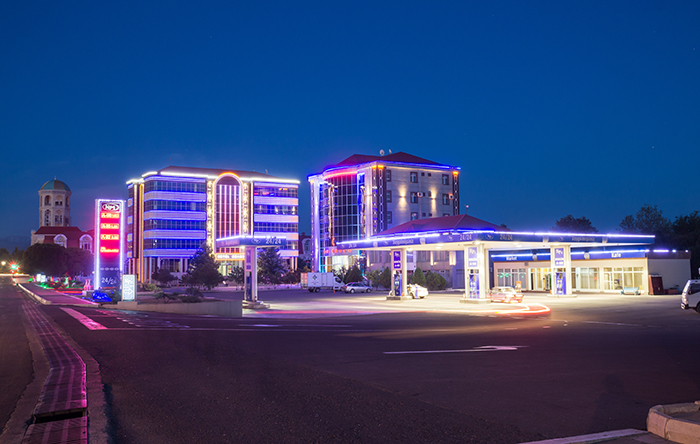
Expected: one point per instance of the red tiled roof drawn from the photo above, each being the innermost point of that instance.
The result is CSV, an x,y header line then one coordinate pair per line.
x,y
69,232
72,234
358,159
459,222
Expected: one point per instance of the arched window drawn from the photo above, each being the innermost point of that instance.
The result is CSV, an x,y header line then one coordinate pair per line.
x,y
60,240
58,219
227,207
47,200
47,218
86,242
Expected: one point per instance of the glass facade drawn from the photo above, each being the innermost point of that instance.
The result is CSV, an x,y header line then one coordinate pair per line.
x,y
509,277
586,279
180,214
617,278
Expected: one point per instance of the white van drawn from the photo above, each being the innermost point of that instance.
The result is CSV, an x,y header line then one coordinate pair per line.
x,y
690,298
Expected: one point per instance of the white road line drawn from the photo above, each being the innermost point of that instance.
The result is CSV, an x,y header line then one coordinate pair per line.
x,y
89,323
483,348
618,324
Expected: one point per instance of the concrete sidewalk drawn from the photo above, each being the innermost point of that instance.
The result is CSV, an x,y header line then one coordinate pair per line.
x,y
52,297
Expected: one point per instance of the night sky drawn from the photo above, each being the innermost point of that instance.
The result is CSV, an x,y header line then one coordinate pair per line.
x,y
550,108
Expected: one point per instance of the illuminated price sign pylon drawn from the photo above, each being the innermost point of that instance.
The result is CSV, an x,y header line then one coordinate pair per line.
x,y
109,245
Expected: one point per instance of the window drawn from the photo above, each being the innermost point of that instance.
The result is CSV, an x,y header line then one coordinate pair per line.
x,y
47,200
414,197
615,278
414,216
422,174
47,218
430,194
276,191
388,175
414,177
423,214
388,196
60,240
445,179
388,217
430,175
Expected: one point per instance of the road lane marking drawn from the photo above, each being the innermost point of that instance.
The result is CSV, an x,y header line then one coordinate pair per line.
x,y
621,324
483,348
86,321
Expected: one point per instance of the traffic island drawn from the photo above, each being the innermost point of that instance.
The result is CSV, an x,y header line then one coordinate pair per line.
x,y
255,305
676,422
232,309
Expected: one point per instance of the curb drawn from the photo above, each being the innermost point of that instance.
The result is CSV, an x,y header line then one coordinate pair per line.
x,y
661,422
38,298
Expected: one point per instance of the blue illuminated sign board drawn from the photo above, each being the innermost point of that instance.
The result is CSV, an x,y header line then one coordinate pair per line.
x,y
473,258
559,257
397,259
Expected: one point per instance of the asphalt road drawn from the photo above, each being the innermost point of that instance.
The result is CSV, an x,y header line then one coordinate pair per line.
x,y
15,357
434,371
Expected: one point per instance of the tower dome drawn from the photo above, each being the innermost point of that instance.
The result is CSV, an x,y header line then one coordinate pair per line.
x,y
54,204
55,185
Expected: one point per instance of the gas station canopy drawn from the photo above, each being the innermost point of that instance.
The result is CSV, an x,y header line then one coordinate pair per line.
x,y
457,232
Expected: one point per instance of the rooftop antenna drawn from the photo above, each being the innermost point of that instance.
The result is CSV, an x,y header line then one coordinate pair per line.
x,y
389,151
466,208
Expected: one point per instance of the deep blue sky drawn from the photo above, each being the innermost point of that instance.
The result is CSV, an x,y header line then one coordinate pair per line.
x,y
550,108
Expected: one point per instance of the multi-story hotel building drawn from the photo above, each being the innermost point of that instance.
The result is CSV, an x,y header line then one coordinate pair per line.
x,y
174,211
365,195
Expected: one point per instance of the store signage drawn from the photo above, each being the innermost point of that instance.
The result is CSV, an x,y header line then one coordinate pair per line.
x,y
109,245
472,257
558,257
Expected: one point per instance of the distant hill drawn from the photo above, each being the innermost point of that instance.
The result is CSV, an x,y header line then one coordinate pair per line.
x,y
11,242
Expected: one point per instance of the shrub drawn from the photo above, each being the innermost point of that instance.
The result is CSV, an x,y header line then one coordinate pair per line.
x,y
165,297
353,275
435,282
150,287
189,299
418,277
194,292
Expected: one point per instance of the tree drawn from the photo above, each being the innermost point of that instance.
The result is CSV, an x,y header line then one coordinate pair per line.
x,y
79,262
373,277
570,224
292,277
353,275
685,235
203,270
163,276
418,277
385,278
49,259
271,267
236,276
648,220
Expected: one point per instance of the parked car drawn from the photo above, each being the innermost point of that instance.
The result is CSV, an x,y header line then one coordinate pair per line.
x,y
690,298
505,294
356,287
416,291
